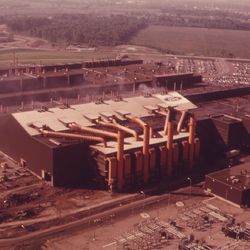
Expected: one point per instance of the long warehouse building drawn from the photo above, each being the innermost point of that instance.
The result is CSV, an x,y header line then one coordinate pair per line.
x,y
119,143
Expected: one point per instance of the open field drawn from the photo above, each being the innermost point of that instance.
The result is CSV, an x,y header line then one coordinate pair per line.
x,y
50,56
196,41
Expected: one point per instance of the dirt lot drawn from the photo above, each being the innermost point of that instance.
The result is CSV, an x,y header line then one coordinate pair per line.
x,y
110,234
25,200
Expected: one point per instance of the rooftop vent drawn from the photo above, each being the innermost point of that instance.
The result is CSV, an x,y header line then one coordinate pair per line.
x,y
65,106
122,113
92,117
107,115
66,121
151,108
162,105
43,109
37,125
147,95
99,101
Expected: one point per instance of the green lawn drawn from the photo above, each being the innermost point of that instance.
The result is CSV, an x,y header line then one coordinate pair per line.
x,y
197,41
37,56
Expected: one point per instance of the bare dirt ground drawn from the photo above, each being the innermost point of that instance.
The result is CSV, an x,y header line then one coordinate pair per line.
x,y
107,235
25,200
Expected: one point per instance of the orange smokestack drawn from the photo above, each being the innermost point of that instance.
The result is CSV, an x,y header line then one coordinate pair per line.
x,y
120,154
192,129
170,148
145,149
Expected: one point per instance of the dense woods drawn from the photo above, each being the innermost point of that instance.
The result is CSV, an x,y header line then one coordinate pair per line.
x,y
216,21
88,29
114,29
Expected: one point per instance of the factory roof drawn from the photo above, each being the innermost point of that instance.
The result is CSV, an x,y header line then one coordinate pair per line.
x,y
234,107
84,113
237,177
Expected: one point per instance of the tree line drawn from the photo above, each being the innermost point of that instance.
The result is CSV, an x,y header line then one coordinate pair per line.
x,y
109,30
84,28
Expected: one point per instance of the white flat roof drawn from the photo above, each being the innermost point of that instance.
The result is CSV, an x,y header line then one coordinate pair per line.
x,y
76,113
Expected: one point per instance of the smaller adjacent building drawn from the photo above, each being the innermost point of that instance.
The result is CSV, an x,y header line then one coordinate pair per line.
x,y
232,184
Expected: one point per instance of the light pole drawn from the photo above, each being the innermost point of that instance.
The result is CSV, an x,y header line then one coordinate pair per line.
x,y
144,195
190,186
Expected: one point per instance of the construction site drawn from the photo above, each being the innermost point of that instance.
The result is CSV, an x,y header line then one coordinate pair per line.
x,y
109,131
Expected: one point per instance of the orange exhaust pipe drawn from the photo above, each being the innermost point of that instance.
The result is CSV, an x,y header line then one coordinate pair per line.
x,y
120,147
145,152
170,148
120,127
73,136
169,131
181,121
192,129
112,172
90,130
167,115
120,160
145,149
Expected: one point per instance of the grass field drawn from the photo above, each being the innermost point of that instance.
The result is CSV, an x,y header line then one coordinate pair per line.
x,y
196,41
37,56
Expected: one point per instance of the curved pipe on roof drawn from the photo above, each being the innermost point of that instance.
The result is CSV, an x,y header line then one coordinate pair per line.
x,y
120,146
137,120
167,115
73,136
95,131
116,125
180,123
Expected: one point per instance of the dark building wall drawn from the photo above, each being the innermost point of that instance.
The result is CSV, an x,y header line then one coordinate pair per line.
x,y
4,71
110,63
246,132
211,141
74,66
56,81
9,86
231,133
246,198
15,142
246,123
32,84
236,133
76,79
218,94
223,190
74,166
197,78
178,81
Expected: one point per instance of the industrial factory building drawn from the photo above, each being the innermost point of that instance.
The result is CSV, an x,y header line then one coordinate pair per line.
x,y
45,82
232,184
121,143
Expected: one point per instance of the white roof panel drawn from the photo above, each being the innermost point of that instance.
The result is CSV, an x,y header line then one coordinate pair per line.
x,y
79,113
